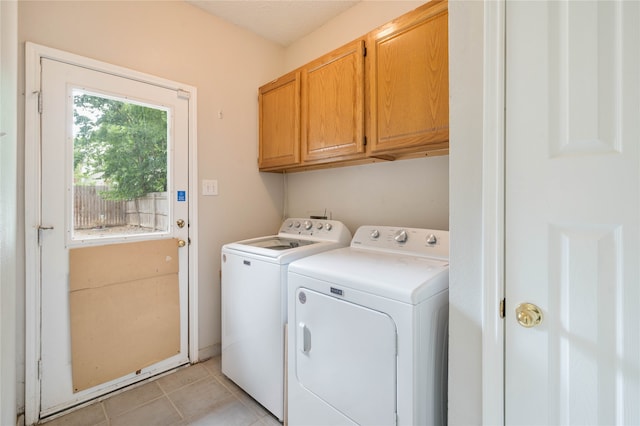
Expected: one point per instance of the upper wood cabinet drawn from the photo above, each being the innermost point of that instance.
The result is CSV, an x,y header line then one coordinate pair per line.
x,y
279,127
333,105
348,107
409,82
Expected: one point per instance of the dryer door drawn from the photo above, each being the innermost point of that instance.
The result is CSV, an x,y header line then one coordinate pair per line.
x,y
346,355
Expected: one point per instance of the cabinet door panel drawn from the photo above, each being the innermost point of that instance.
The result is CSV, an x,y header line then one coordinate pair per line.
x,y
333,104
280,122
410,82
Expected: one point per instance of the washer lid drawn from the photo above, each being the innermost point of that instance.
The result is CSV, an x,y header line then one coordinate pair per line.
x,y
278,243
405,278
277,249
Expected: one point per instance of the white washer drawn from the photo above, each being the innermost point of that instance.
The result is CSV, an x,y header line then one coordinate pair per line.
x,y
254,303
368,331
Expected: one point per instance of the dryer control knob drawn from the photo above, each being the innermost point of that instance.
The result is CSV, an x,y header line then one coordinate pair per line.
x,y
297,224
431,239
328,227
374,234
319,225
308,225
401,236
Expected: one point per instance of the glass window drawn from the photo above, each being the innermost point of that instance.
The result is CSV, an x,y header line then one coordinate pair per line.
x,y
119,167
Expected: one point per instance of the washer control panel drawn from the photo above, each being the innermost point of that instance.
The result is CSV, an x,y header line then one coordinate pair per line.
x,y
415,241
321,229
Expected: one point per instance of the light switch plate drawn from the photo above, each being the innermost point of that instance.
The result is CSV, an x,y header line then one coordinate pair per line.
x,y
209,187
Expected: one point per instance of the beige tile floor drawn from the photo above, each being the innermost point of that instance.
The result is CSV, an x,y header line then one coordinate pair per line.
x,y
198,395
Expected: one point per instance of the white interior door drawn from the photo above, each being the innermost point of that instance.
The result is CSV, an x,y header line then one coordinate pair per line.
x,y
64,230
572,212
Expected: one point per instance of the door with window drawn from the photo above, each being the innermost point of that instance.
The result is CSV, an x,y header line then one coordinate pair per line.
x,y
113,232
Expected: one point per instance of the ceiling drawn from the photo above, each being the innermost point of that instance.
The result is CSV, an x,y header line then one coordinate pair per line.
x,y
281,21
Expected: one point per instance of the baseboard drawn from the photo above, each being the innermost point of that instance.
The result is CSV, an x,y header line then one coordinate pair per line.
x,y
208,352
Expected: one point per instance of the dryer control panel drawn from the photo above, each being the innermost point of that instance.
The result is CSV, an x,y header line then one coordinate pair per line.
x,y
414,241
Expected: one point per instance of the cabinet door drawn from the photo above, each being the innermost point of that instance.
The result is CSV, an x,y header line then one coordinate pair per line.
x,y
333,105
410,82
279,104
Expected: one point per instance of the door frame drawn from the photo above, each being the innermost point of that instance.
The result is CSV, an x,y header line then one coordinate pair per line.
x,y
493,217
33,54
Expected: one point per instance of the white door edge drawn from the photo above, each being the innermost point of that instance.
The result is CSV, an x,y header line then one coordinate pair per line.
x,y
33,54
493,204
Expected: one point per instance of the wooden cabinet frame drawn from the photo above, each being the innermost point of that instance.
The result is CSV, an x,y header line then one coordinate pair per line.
x,y
382,97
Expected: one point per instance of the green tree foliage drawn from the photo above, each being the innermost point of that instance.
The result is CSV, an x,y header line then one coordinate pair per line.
x,y
123,144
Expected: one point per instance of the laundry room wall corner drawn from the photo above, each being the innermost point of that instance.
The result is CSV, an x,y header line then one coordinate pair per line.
x,y
466,55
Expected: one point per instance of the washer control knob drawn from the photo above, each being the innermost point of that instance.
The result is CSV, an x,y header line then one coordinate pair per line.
x,y
319,225
374,234
401,236
431,239
328,227
308,225
297,224
290,224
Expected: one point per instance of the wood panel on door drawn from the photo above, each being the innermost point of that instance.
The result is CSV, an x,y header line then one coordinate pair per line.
x,y
122,296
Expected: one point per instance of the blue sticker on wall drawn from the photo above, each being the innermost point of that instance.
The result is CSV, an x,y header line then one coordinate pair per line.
x,y
182,195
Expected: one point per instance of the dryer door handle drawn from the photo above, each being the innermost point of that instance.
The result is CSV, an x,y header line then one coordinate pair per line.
x,y
304,338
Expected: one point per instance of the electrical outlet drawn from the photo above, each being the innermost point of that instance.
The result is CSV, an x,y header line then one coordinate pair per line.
x,y
209,187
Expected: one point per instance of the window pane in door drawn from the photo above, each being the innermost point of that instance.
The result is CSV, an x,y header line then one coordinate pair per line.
x,y
120,171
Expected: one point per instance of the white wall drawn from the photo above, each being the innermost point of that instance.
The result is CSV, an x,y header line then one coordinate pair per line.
x,y
412,193
466,159
8,206
177,41
349,25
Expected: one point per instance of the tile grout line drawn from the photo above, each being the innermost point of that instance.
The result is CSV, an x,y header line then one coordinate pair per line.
x,y
104,411
166,394
163,394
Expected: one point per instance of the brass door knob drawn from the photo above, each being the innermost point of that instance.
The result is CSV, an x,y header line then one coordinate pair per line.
x,y
528,315
182,243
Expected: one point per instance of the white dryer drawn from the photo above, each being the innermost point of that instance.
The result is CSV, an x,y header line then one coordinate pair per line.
x,y
368,328
254,303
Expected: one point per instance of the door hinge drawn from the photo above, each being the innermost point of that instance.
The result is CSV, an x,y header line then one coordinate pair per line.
x,y
40,229
39,102
502,308
364,141
364,51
